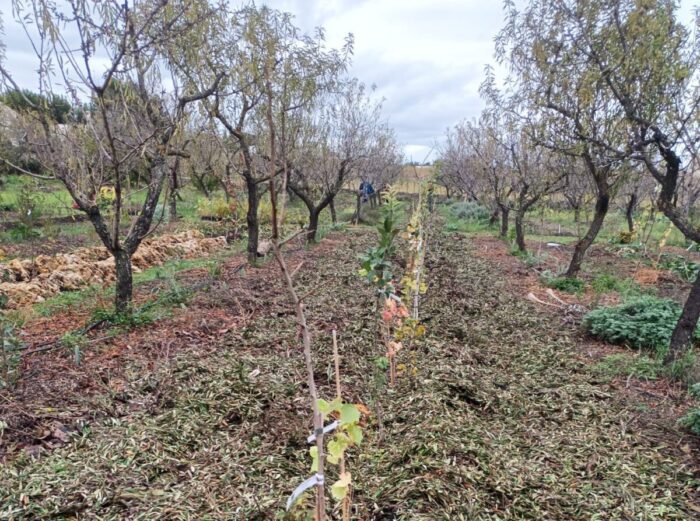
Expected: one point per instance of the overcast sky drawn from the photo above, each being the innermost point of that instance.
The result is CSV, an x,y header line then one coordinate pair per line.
x,y
426,57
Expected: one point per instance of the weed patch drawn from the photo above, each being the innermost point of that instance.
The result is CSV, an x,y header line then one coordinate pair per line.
x,y
641,367
565,284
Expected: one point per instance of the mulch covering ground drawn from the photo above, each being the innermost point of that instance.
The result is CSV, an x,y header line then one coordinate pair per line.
x,y
205,416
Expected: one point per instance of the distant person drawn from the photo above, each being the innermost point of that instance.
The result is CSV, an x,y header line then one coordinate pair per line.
x,y
366,191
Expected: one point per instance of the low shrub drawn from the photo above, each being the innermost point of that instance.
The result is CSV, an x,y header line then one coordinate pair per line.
x,y
643,323
22,232
626,237
137,318
469,211
605,283
692,420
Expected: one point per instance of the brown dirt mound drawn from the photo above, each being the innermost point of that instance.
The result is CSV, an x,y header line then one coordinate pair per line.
x,y
647,276
28,281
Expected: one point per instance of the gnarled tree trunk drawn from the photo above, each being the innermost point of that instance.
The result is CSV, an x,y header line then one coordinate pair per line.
x,y
494,216
124,285
601,210
357,217
334,216
682,337
313,224
505,215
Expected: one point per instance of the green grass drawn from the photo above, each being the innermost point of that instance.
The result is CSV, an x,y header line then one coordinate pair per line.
x,y
626,365
92,294
565,284
540,225
454,224
627,287
67,300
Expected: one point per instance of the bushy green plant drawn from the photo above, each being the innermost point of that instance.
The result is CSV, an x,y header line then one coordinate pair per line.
x,y
469,211
217,208
29,203
22,232
605,283
642,322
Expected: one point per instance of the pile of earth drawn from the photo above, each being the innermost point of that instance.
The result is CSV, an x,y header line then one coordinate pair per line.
x,y
28,281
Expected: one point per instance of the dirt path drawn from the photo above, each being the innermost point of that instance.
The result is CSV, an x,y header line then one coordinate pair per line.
x,y
502,419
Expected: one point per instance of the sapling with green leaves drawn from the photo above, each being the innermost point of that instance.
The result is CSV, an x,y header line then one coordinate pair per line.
x,y
376,262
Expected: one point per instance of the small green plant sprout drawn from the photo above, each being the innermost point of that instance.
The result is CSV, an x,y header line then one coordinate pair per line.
x,y
74,342
346,432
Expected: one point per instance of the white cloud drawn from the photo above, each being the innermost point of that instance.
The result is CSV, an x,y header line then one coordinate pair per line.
x,y
426,58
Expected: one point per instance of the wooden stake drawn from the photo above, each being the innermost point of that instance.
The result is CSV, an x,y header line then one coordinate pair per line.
x,y
338,393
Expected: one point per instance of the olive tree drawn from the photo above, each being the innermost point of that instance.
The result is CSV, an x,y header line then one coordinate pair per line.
x,y
120,67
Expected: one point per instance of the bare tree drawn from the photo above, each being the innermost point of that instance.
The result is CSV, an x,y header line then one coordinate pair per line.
x,y
534,175
456,164
573,115
118,65
380,168
657,89
268,66
345,135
